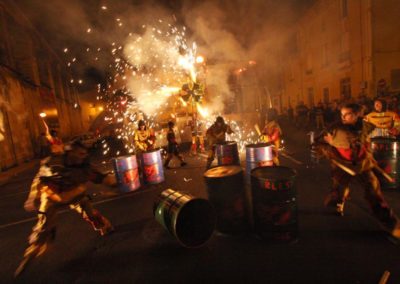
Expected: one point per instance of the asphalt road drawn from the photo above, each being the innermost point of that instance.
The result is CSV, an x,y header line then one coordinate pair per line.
x,y
330,249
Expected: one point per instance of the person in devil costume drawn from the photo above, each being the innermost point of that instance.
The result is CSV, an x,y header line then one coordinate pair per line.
x,y
216,134
346,145
60,182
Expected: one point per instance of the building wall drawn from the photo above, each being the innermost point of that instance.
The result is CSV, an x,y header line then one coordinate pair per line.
x,y
386,41
31,81
338,41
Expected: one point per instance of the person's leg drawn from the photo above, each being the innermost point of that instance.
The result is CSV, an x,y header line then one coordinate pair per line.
x,y
193,147
339,191
42,233
378,204
100,223
167,160
180,157
210,158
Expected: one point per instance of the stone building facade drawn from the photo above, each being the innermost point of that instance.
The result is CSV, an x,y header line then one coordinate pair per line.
x,y
342,49
33,80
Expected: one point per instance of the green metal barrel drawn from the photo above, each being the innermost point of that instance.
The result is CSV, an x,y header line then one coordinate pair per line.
x,y
191,220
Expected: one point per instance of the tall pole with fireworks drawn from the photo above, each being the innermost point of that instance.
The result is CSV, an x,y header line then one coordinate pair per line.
x,y
192,92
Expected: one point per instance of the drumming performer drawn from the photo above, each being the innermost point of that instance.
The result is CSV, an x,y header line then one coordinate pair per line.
x,y
144,139
216,134
387,122
61,181
272,133
346,146
172,148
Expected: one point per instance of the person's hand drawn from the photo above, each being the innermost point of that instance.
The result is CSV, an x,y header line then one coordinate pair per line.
x,y
110,180
328,138
394,132
29,205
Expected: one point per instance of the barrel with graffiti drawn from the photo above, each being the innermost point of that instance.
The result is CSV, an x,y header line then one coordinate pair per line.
x,y
152,167
274,203
227,153
127,174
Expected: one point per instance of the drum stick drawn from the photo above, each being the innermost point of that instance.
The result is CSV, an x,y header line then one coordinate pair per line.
x,y
385,277
291,158
385,174
346,169
257,129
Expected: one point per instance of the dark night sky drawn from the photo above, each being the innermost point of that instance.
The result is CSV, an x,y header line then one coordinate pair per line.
x,y
253,27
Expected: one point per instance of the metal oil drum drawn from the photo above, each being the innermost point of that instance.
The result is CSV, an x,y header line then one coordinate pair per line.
x,y
227,153
189,219
127,174
152,167
226,192
274,203
386,152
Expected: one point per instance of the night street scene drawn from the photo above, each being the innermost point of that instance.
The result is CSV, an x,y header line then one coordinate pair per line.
x,y
200,141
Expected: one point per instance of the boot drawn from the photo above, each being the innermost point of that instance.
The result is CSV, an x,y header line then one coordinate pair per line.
x,y
166,164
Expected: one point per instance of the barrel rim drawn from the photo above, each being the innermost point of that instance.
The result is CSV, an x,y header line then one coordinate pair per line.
x,y
227,166
259,145
151,151
176,220
123,157
226,143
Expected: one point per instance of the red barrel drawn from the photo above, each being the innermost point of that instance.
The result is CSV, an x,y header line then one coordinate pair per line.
x,y
274,203
153,171
226,192
127,174
191,220
227,153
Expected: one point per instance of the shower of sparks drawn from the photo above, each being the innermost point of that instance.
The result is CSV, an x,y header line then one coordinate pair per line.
x,y
149,68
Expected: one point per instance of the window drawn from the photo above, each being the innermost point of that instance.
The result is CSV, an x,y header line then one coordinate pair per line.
x,y
344,8
325,94
395,78
325,55
345,88
310,92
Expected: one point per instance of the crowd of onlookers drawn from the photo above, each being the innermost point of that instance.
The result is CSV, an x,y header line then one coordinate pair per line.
x,y
323,114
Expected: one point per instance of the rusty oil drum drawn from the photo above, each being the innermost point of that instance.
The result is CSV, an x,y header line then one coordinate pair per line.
x,y
258,155
189,219
127,173
227,153
152,167
274,203
226,192
386,152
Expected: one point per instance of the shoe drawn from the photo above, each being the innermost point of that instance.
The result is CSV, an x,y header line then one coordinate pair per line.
x,y
183,164
396,231
340,209
331,200
106,230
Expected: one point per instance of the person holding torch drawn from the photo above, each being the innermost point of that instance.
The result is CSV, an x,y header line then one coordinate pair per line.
x,y
56,144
